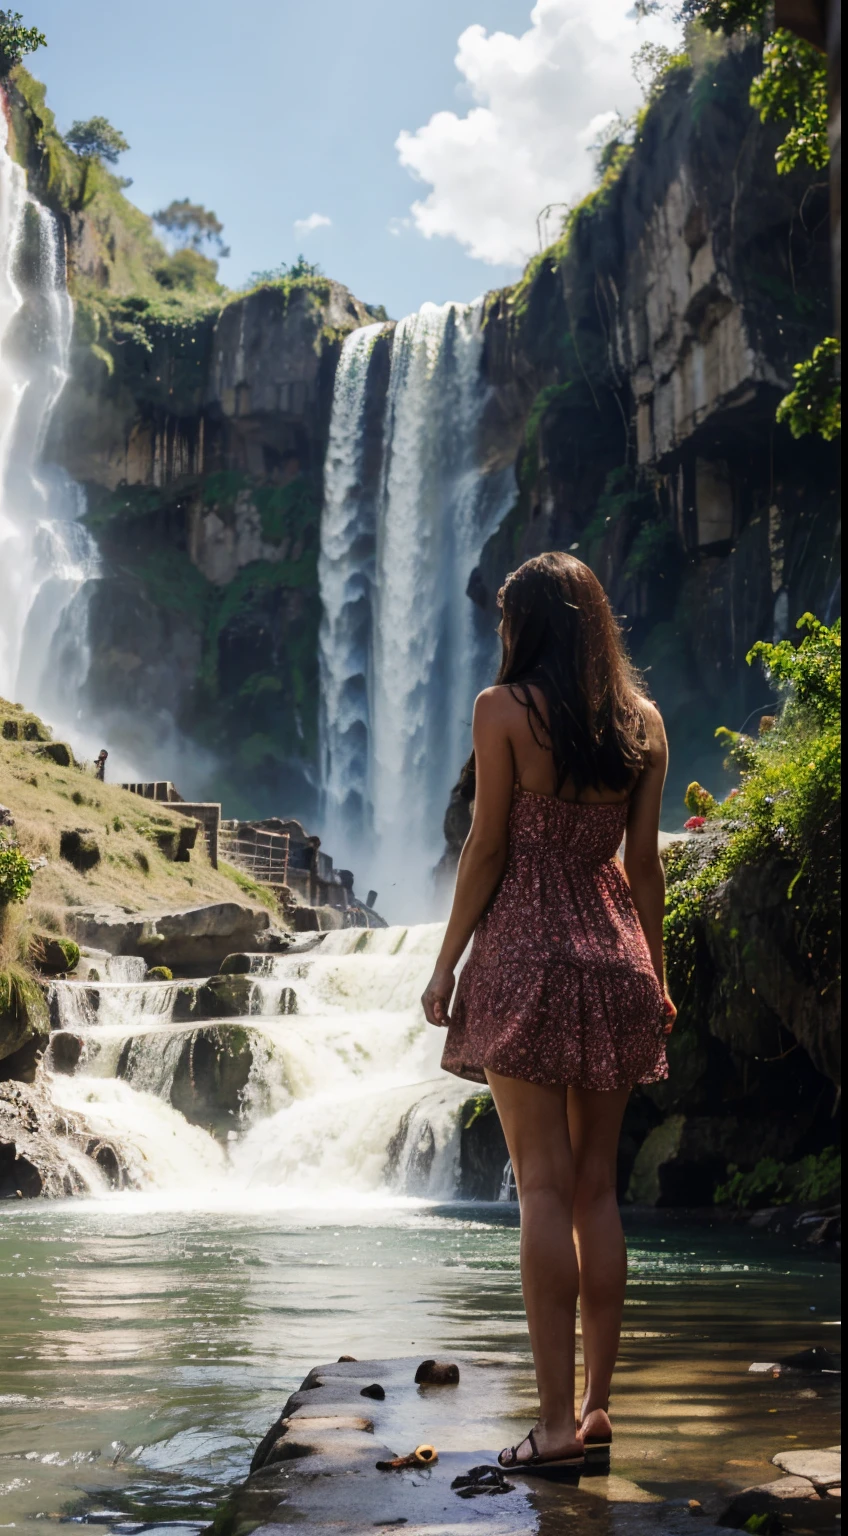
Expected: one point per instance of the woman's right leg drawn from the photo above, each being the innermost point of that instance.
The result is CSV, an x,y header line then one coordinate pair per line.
x,y
594,1121
535,1124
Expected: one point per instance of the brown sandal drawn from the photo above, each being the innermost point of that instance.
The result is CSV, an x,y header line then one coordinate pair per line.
x,y
536,1465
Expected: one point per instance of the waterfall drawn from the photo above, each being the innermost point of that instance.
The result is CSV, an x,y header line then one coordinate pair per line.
x,y
47,557
402,656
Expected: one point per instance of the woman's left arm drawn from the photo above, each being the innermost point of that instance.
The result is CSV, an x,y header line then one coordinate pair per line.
x,y
483,857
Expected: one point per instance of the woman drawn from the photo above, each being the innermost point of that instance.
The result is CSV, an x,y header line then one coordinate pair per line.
x,y
562,1005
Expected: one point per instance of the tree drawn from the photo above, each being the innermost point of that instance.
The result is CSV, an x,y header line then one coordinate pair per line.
x,y
16,40
293,271
191,226
96,139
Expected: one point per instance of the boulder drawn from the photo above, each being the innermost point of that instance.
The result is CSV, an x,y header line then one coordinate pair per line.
x,y
53,956
225,997
24,1026
482,1149
682,1160
211,1070
822,1468
43,1152
57,752
195,939
80,847
64,1051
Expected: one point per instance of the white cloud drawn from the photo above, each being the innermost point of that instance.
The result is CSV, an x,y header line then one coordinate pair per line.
x,y
315,221
539,100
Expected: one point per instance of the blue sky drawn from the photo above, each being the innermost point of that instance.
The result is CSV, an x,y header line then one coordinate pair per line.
x,y
271,112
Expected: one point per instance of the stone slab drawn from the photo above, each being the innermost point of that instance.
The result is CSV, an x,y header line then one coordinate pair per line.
x,y
823,1468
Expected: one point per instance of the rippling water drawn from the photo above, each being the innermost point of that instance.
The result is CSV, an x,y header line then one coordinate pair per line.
x,y
146,1349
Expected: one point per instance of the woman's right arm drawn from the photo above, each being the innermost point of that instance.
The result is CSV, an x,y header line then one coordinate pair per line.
x,y
642,863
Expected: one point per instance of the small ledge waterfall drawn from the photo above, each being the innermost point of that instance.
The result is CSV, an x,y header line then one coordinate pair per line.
x,y
46,554
402,655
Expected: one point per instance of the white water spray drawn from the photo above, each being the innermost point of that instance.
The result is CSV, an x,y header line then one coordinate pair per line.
x,y
47,558
345,1097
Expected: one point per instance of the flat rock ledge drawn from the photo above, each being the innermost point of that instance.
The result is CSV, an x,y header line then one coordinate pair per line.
x,y
807,1497
316,1467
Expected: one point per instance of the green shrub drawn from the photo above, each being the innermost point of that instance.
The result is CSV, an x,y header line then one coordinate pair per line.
x,y
159,973
815,404
788,803
15,876
770,1182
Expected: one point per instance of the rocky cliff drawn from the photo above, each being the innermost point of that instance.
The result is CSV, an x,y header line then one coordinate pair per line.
x,y
635,372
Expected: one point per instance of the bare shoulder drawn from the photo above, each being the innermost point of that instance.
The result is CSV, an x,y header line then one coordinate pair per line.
x,y
655,730
495,706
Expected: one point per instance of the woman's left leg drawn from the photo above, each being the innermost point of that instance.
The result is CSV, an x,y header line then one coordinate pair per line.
x,y
535,1125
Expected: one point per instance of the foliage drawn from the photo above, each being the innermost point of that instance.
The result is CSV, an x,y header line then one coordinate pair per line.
x,y
654,546
793,86
652,64
698,801
287,271
815,404
16,40
191,226
476,1108
96,139
793,83
189,269
788,803
15,876
251,887
771,1182
159,973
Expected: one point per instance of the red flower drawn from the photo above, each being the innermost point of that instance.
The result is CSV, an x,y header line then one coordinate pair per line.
x,y
694,824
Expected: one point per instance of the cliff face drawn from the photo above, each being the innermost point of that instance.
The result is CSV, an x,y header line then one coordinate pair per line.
x,y
636,371
200,446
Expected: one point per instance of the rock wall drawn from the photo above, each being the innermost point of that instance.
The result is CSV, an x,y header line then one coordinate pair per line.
x,y
636,371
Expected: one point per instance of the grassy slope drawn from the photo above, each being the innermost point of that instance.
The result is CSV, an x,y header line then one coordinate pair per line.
x,y
45,799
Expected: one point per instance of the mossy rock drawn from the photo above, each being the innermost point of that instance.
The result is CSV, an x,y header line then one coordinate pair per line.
x,y
80,847
236,965
225,997
185,1003
24,1022
52,956
159,973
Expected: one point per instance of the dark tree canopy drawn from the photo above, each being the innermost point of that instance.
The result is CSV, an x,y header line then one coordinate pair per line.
x,y
16,40
96,139
191,226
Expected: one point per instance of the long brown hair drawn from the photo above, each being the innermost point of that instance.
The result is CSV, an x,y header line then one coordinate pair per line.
x,y
559,635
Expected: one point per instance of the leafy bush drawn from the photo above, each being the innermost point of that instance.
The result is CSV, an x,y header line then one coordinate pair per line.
x,y
815,404
793,86
788,802
159,973
774,1183
15,876
16,40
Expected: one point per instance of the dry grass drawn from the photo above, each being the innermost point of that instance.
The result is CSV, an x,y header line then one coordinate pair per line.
x,y
46,800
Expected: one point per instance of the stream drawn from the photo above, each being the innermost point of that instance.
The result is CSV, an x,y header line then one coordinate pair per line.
x,y
148,1340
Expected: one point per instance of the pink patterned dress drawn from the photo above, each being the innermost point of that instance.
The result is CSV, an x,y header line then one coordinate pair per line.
x,y
559,985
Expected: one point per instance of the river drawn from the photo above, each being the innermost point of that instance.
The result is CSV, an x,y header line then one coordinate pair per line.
x,y
147,1346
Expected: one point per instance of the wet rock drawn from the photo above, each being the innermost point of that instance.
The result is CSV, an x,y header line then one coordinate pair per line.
x,y
482,1149
822,1468
185,1003
225,997
42,1152
437,1373
64,1051
159,973
787,1498
195,939
79,846
374,1390
24,1025
238,965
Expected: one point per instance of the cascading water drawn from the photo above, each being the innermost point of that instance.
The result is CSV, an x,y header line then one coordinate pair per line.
x,y
333,1092
401,656
47,557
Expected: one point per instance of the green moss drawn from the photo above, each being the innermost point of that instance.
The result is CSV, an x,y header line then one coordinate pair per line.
x,y
770,1182
261,893
159,973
